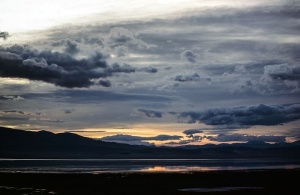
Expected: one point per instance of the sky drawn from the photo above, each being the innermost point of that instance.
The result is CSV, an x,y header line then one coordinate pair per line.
x,y
152,72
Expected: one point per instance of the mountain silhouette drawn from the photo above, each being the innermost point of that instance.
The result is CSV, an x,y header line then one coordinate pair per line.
x,y
43,144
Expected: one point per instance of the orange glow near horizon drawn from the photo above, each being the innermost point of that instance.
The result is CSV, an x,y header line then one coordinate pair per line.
x,y
145,130
178,169
155,129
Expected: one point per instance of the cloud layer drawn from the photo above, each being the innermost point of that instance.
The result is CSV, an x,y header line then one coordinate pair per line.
x,y
246,115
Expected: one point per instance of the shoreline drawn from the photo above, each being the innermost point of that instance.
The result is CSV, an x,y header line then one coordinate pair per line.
x,y
258,181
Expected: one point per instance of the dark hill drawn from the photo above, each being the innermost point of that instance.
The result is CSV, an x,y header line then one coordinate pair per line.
x,y
43,144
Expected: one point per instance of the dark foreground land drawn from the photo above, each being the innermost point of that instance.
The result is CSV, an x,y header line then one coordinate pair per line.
x,y
212,182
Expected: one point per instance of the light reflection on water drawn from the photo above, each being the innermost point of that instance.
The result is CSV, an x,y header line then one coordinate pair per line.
x,y
98,166
200,169
179,169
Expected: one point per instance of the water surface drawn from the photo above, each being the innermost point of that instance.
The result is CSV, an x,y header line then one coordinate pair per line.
x,y
97,166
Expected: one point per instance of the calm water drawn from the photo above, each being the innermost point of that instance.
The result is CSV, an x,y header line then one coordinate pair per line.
x,y
97,166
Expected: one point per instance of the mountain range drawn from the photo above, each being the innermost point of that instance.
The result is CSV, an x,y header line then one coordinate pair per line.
x,y
44,144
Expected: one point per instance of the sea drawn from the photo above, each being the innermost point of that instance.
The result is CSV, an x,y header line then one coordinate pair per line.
x,y
98,166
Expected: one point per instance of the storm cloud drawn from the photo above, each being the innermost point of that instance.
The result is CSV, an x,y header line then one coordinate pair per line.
x,y
261,114
60,69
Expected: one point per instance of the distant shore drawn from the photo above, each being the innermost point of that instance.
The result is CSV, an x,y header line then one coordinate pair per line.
x,y
279,181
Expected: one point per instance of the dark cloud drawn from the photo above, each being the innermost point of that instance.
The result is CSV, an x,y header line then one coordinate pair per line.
x,y
246,115
69,73
104,83
246,138
149,69
219,129
188,77
189,56
190,132
122,137
4,35
60,69
283,72
38,69
166,137
276,78
151,113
